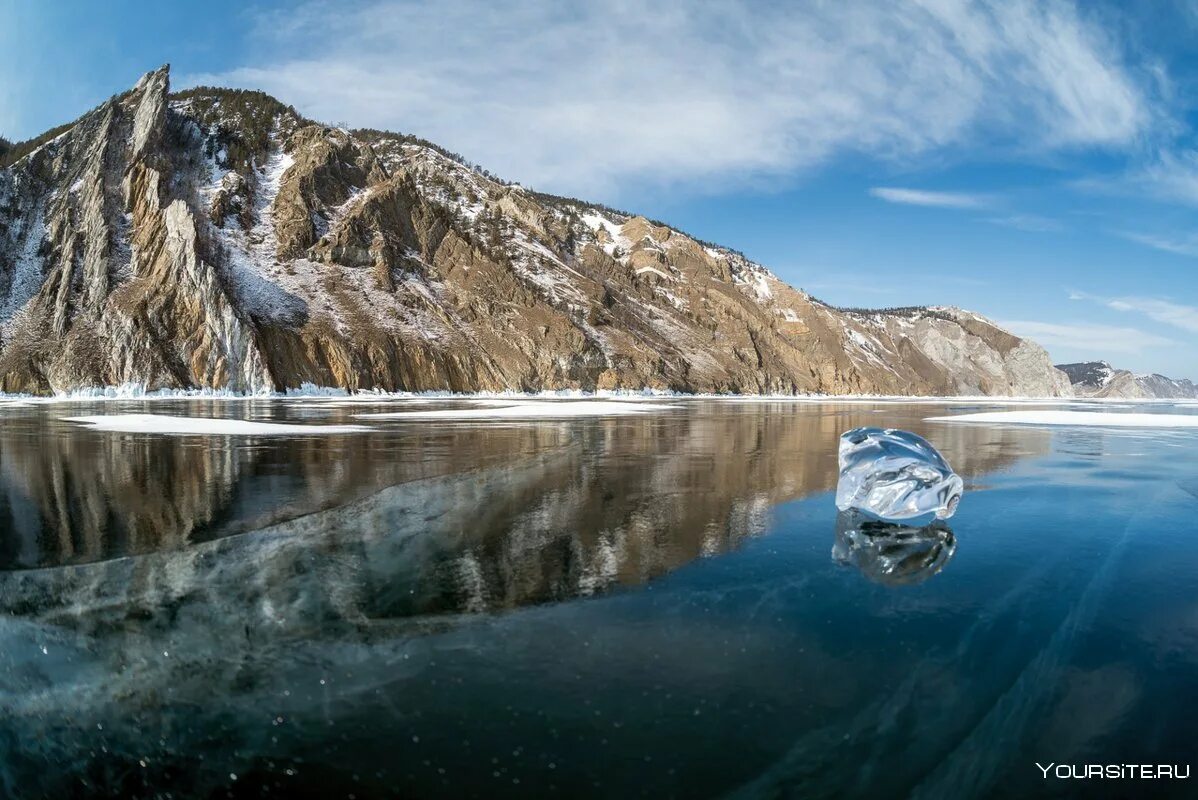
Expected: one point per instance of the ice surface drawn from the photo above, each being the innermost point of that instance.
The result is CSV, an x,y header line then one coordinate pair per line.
x,y
1104,419
530,409
890,553
165,423
895,475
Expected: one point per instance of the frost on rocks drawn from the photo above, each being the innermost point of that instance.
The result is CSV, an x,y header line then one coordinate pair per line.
x,y
895,475
890,553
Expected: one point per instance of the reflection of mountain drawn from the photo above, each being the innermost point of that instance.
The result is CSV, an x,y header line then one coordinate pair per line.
x,y
573,508
378,537
72,496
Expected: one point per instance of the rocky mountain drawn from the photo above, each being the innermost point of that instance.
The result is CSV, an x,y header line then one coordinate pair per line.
x,y
1100,379
216,238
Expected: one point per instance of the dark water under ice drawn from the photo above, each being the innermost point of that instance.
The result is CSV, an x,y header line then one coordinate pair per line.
x,y
627,606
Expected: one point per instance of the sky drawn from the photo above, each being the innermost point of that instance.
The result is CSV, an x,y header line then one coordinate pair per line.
x,y
1033,162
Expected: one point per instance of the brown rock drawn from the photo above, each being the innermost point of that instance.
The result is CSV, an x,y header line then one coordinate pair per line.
x,y
129,252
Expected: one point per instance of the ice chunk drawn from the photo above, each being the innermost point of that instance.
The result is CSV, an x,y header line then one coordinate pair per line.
x,y
895,475
889,553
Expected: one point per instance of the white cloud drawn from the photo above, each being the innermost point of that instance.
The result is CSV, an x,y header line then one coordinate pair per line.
x,y
1172,176
919,197
1095,339
590,97
1182,246
966,201
1168,175
1165,312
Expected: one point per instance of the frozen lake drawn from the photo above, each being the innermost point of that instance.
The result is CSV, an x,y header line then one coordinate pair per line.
x,y
484,599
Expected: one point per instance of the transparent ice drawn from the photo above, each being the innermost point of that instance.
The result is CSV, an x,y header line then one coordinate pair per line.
x,y
895,475
890,553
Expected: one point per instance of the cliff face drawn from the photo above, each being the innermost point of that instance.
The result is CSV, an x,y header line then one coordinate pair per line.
x,y
106,277
217,239
1100,379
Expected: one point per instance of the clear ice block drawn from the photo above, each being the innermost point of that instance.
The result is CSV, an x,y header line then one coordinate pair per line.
x,y
895,475
889,553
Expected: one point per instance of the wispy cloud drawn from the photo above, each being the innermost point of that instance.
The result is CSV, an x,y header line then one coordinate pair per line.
x,y
920,197
1097,340
675,91
1166,312
1182,246
1028,222
1168,175
1163,311
1031,223
1171,176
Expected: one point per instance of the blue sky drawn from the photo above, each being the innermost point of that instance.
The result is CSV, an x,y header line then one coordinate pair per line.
x,y
1034,162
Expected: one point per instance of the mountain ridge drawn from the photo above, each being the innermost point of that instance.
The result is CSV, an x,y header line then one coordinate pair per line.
x,y
215,238
1100,380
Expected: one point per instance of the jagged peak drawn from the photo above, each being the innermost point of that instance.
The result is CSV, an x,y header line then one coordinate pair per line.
x,y
151,92
160,75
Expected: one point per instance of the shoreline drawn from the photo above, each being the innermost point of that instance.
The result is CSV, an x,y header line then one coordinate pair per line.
x,y
137,392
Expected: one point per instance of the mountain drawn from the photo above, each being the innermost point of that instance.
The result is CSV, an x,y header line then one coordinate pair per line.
x,y
1100,379
216,238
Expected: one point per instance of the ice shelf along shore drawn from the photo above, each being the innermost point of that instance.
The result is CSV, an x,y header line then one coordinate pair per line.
x,y
165,423
1076,418
310,392
527,409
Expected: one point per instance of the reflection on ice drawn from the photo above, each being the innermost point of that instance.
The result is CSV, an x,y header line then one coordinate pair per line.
x,y
170,600
889,553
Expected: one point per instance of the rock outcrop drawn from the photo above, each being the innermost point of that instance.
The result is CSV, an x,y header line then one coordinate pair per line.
x,y
1100,379
112,282
217,239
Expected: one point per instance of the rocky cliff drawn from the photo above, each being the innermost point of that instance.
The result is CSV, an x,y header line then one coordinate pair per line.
x,y
1100,379
216,238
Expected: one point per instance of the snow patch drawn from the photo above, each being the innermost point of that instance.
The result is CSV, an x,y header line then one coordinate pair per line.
x,y
1103,419
261,284
530,409
655,271
204,426
596,222
27,272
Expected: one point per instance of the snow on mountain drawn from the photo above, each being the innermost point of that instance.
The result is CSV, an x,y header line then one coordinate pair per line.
x,y
1100,379
216,238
